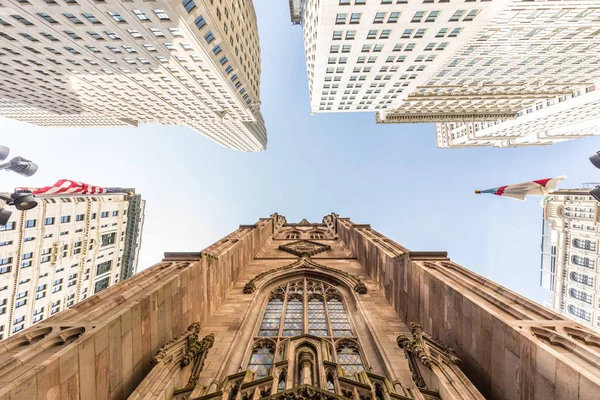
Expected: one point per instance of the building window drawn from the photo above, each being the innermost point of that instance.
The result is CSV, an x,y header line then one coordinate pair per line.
x,y
103,268
348,356
49,221
6,243
581,295
116,16
30,223
379,17
65,219
200,22
582,278
261,359
189,5
584,244
101,284
9,226
580,312
583,261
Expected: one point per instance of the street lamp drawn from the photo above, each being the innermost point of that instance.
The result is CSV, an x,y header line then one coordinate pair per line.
x,y
21,166
22,200
595,159
595,193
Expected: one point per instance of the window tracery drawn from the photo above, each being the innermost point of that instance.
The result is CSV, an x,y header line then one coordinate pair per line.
x,y
292,235
262,357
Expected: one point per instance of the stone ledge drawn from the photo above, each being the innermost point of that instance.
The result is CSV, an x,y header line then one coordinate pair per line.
x,y
182,256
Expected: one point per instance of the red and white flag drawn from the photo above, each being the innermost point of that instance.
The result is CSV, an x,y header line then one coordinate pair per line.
x,y
520,191
66,186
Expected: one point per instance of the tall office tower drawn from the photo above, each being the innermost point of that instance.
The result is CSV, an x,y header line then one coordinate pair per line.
x,y
570,268
331,310
446,62
80,63
66,249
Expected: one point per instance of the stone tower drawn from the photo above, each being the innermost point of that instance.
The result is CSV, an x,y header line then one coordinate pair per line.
x,y
329,310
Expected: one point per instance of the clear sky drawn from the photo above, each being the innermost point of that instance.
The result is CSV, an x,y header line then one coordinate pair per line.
x,y
391,176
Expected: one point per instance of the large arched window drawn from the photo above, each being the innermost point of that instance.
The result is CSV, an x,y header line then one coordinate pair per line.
x,y
584,244
582,278
318,303
305,307
583,261
580,312
581,295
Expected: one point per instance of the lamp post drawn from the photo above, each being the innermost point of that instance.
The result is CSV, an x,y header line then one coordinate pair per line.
x,y
21,199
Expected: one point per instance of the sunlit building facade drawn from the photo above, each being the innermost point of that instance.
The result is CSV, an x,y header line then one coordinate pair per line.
x,y
473,64
64,250
68,63
570,255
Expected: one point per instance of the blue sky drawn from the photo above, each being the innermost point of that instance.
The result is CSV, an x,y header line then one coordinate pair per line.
x,y
391,176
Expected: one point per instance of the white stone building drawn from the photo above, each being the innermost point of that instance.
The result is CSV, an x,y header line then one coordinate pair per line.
x,y
443,61
64,250
545,122
82,63
570,254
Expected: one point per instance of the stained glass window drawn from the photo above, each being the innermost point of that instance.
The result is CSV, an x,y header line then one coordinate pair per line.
x,y
338,318
272,318
261,359
317,321
321,304
348,356
294,314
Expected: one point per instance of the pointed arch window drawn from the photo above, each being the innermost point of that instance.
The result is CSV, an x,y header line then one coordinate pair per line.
x,y
261,359
348,356
295,302
317,235
292,235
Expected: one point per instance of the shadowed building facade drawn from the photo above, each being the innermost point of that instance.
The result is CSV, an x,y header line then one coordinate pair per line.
x,y
329,310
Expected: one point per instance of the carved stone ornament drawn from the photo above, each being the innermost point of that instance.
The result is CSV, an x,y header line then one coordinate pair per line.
x,y
422,339
304,392
304,248
165,349
304,263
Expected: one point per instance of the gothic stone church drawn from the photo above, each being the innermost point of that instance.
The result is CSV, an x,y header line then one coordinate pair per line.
x,y
330,310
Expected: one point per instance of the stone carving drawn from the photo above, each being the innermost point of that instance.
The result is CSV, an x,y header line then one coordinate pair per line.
x,y
304,263
195,346
302,393
304,248
416,346
304,222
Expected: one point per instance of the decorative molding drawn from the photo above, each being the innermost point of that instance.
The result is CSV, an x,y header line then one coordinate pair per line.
x,y
304,263
304,248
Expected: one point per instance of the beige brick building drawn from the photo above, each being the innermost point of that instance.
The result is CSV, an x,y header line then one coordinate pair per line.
x,y
277,310
66,249
86,63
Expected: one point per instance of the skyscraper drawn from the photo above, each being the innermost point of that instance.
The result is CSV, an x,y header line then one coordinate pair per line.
x,y
451,63
570,266
330,310
66,249
85,63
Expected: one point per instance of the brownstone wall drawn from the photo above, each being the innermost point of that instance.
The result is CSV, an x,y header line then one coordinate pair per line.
x,y
124,325
488,325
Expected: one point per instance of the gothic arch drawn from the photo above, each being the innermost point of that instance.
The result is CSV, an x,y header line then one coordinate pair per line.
x,y
301,268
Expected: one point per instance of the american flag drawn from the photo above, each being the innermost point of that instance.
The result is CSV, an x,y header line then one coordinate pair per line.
x,y
66,186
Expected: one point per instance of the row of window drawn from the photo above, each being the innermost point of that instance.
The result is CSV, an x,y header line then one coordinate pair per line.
x,y
392,17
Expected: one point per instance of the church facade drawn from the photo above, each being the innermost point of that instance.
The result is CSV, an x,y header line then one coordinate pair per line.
x,y
327,310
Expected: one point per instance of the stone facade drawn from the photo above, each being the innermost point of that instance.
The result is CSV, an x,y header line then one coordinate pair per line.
x,y
356,316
